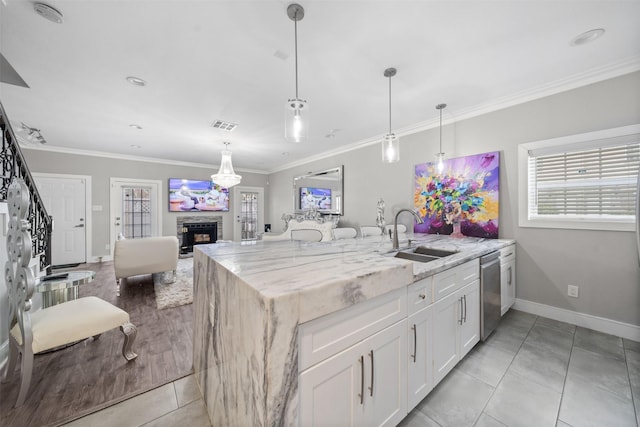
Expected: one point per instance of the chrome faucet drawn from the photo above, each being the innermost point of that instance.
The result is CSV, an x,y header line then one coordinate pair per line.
x,y
396,244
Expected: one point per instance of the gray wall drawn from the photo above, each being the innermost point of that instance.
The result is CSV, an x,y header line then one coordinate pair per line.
x,y
604,264
103,169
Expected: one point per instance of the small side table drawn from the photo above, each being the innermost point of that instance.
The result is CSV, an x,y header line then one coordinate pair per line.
x,y
63,288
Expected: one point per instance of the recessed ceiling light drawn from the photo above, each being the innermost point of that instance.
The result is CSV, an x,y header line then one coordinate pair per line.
x,y
135,126
135,146
47,12
136,81
587,37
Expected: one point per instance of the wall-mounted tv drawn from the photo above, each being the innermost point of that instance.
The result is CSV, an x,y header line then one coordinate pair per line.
x,y
188,195
318,198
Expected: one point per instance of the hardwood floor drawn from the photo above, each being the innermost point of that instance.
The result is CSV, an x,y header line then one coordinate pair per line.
x,y
91,375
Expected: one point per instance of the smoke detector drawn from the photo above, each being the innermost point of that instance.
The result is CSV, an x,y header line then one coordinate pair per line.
x,y
48,12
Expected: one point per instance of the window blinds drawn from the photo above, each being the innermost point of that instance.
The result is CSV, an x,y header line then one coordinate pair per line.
x,y
596,183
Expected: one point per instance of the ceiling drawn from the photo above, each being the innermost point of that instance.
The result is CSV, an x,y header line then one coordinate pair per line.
x,y
234,61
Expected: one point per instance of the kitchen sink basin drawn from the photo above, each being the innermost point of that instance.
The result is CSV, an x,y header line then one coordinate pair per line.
x,y
438,253
423,254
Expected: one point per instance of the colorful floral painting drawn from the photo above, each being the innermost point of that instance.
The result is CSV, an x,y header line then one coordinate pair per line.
x,y
465,192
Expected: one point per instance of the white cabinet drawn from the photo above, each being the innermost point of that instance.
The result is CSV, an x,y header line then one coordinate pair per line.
x,y
507,277
420,360
354,365
456,328
365,384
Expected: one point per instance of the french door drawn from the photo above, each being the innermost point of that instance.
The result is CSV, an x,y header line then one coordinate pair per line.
x,y
248,207
135,208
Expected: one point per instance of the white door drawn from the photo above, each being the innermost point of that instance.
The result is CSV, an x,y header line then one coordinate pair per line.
x,y
446,339
470,328
248,207
332,392
65,199
419,345
135,208
386,376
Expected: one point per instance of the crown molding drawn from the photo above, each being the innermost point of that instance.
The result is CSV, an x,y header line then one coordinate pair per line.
x,y
594,75
102,154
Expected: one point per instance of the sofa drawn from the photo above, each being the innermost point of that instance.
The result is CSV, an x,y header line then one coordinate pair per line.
x,y
148,255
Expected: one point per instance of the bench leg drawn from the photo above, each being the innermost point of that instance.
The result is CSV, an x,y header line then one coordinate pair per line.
x,y
12,360
25,372
130,331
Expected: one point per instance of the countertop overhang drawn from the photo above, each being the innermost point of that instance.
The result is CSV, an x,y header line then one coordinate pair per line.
x,y
326,277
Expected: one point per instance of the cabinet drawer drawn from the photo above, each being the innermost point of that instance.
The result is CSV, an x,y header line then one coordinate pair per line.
x,y
448,281
330,334
507,254
419,295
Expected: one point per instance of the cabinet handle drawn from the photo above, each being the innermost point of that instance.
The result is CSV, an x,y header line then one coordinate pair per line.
x,y
361,395
415,342
508,255
460,320
509,281
422,296
465,308
371,388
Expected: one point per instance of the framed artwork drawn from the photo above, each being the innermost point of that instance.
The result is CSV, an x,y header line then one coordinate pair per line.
x,y
461,198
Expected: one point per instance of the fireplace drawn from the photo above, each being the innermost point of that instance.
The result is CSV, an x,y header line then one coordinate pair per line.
x,y
197,233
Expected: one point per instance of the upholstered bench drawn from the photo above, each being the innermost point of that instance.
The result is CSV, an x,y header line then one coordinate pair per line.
x,y
64,324
132,257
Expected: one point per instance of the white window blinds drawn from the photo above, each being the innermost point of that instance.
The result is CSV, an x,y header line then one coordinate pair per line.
x,y
593,184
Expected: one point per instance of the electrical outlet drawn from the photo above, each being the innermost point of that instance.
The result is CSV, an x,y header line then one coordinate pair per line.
x,y
572,291
107,246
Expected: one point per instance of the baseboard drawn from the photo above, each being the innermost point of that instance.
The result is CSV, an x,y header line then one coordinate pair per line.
x,y
600,324
103,258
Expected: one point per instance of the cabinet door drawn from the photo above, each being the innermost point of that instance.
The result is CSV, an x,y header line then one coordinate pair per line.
x,y
507,285
385,355
331,392
470,327
419,351
511,284
446,340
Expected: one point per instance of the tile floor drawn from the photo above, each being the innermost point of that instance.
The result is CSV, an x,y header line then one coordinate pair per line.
x,y
532,371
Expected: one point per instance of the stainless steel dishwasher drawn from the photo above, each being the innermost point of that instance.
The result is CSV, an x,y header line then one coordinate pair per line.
x,y
490,301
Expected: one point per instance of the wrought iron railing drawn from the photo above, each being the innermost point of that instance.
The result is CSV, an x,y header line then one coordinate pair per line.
x,y
14,165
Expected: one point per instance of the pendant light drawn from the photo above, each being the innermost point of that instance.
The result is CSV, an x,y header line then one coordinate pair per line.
x,y
226,177
296,110
440,155
390,143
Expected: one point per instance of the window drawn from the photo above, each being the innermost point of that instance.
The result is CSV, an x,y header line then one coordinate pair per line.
x,y
586,181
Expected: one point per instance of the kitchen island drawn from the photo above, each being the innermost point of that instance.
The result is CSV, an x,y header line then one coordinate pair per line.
x,y
250,300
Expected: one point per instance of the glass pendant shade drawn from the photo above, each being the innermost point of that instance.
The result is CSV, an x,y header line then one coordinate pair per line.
x,y
390,148
296,120
226,177
440,162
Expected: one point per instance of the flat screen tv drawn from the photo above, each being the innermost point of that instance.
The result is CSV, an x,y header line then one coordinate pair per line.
x,y
319,198
189,195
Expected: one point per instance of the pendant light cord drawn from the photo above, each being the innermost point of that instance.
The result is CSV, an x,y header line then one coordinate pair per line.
x,y
389,105
440,130
295,32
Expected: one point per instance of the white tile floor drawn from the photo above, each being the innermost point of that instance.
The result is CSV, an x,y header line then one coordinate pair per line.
x,y
532,371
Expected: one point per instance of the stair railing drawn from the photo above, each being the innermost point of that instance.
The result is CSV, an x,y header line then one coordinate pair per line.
x,y
14,165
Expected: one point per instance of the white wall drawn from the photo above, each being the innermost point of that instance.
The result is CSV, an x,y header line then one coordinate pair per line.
x,y
603,264
102,169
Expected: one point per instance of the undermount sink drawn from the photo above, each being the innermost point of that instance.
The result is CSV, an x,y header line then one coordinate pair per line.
x,y
422,254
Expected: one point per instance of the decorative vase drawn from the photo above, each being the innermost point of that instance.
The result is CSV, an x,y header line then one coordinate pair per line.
x,y
456,229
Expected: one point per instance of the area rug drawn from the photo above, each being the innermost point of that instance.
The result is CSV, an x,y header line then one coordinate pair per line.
x,y
179,292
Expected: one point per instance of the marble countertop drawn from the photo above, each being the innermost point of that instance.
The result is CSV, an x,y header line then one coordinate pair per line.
x,y
326,277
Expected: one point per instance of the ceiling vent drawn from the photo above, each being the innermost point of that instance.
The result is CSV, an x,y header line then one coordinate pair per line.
x,y
222,125
48,12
